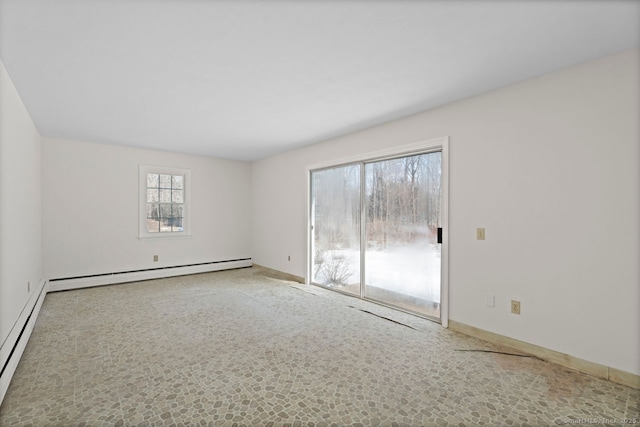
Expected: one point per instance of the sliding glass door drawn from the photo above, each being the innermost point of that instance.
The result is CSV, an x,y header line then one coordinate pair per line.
x,y
402,256
375,230
335,210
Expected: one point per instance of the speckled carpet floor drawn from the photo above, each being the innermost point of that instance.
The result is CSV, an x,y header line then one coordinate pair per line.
x,y
240,348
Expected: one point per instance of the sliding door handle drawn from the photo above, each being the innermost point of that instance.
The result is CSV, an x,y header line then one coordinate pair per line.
x,y
439,234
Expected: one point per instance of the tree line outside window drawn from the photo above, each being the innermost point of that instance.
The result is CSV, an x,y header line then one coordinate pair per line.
x,y
402,202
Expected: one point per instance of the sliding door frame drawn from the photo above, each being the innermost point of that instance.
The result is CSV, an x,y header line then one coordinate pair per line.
x,y
437,144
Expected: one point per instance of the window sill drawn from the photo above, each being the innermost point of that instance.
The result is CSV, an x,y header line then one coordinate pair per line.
x,y
165,237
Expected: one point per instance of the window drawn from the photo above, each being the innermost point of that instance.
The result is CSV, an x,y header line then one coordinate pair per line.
x,y
164,202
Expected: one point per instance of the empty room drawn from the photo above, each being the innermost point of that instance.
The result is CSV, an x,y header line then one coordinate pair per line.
x,y
319,213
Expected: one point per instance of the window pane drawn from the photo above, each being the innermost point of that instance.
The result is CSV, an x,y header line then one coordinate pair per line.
x,y
165,210
178,182
402,256
177,196
164,203
336,228
152,180
152,211
165,181
153,226
165,196
177,224
152,195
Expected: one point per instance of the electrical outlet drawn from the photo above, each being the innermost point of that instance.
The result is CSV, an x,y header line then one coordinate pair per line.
x,y
515,306
480,233
289,258
155,258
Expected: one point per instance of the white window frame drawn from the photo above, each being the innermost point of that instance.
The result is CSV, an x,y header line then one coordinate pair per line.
x,y
143,170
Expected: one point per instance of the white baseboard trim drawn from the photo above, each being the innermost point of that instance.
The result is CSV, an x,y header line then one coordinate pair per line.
x,y
279,274
13,347
136,276
566,360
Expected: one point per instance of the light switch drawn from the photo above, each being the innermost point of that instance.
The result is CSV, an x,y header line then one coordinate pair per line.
x,y
480,233
491,301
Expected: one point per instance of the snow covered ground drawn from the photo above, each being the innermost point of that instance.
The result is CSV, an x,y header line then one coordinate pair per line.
x,y
410,269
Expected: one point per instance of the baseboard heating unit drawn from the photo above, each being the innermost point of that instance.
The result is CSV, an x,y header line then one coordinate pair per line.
x,y
15,343
68,283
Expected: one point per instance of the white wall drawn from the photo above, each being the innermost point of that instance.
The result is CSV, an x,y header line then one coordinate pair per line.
x,y
90,202
550,167
20,209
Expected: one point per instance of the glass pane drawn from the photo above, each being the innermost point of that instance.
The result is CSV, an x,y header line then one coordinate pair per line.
x,y
165,202
165,181
336,228
402,257
177,196
153,211
152,180
177,224
165,210
178,182
153,225
178,211
152,195
165,196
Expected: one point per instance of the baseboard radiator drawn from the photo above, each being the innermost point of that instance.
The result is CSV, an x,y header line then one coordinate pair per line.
x,y
15,343
68,283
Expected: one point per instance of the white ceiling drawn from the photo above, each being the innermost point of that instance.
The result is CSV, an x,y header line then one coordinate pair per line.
x,y
248,79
